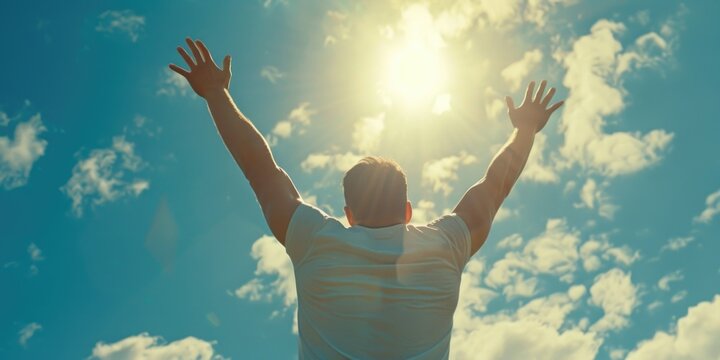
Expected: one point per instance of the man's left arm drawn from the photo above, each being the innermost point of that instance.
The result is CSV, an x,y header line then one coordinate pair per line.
x,y
273,188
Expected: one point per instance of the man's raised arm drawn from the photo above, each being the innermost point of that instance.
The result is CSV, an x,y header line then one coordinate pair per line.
x,y
272,186
482,201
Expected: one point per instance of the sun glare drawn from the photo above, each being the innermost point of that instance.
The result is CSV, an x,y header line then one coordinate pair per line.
x,y
415,75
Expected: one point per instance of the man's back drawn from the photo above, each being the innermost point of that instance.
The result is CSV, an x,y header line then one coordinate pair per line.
x,y
376,293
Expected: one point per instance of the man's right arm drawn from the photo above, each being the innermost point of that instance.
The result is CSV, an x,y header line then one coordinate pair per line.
x,y
481,202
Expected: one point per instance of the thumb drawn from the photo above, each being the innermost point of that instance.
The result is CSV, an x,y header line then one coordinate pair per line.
x,y
510,103
226,64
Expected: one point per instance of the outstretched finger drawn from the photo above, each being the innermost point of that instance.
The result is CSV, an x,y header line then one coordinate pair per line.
x,y
549,97
529,92
226,64
510,103
541,91
556,106
195,51
204,51
185,56
179,70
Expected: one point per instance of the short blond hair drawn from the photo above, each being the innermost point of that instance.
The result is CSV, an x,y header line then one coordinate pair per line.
x,y
375,189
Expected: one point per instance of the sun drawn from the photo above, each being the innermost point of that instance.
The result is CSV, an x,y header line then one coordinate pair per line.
x,y
415,74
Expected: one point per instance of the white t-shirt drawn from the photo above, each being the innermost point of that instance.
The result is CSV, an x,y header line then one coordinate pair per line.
x,y
375,293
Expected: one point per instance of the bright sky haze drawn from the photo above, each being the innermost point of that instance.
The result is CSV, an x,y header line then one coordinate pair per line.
x,y
127,230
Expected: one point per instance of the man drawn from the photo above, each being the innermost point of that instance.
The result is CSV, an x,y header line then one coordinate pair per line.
x,y
381,288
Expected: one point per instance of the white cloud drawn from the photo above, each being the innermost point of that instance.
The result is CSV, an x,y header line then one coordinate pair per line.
x,y
337,27
537,169
35,256
712,208
504,213
521,339
614,292
510,242
533,332
553,252
296,122
593,196
18,155
283,129
101,177
173,84
337,162
593,251
35,252
594,95
678,243
121,21
437,174
537,11
424,212
27,332
271,73
367,133
654,305
553,309
695,336
146,347
272,260
664,282
679,296
515,73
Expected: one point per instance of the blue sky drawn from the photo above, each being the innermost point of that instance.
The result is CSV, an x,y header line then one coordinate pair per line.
x,y
126,226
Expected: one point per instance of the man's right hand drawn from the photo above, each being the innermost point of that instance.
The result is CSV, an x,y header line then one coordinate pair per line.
x,y
204,76
533,114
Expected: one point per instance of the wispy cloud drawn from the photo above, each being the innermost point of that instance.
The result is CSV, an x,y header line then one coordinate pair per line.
x,y
173,84
516,72
593,196
598,248
678,243
18,154
35,257
712,208
27,332
271,73
438,174
332,161
367,133
664,282
144,346
538,168
272,261
296,122
121,21
104,176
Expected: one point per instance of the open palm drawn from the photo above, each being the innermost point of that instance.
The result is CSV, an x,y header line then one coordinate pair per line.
x,y
533,113
204,75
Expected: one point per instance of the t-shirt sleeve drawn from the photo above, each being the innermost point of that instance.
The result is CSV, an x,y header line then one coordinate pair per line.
x,y
304,223
458,234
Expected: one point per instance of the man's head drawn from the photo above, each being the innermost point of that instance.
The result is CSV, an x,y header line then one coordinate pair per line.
x,y
376,193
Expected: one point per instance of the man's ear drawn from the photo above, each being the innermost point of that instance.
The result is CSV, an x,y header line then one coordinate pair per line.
x,y
408,212
349,216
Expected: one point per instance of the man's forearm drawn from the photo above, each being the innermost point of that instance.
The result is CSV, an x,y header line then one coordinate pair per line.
x,y
507,165
247,146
